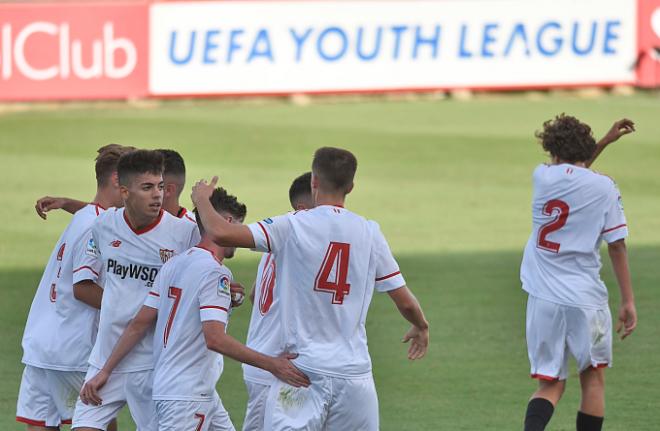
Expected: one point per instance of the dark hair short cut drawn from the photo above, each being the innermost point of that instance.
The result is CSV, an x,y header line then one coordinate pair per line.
x,y
300,188
139,162
335,168
173,163
223,202
107,159
568,139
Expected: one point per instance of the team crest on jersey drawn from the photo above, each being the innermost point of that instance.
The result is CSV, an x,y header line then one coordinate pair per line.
x,y
91,248
224,286
268,220
166,254
116,243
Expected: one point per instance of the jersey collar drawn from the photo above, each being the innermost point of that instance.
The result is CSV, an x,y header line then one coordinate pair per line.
x,y
146,228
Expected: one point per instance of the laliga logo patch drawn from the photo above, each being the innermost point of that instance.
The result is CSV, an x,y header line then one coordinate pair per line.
x,y
166,254
268,220
91,247
223,286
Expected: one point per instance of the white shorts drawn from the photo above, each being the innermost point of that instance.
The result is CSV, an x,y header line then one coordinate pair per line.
x,y
256,406
329,403
193,415
47,397
555,330
133,389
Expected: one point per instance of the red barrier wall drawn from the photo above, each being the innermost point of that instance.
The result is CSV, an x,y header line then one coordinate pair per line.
x,y
648,66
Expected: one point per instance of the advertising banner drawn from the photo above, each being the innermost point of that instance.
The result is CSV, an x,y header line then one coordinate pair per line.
x,y
280,47
73,51
648,63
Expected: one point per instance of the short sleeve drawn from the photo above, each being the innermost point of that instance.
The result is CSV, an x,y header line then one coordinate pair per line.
x,y
215,296
87,263
270,234
153,297
388,275
615,226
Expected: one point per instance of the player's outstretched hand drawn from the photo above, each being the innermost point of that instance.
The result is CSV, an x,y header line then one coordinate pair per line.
x,y
419,339
46,204
627,320
203,190
237,294
89,393
618,129
284,370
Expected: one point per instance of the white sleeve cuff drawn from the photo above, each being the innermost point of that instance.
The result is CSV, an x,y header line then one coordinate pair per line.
x,y
390,282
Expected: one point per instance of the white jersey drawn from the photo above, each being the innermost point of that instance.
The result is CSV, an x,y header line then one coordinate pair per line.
x,y
573,210
186,215
264,332
60,330
129,260
190,289
329,260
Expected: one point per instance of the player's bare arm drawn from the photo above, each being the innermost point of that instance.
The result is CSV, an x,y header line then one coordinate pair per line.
x,y
281,366
410,309
221,231
132,335
237,294
618,129
627,312
88,292
48,203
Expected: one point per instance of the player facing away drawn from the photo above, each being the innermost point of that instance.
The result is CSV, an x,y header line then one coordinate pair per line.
x,y
329,261
189,306
127,248
174,179
60,330
264,332
573,210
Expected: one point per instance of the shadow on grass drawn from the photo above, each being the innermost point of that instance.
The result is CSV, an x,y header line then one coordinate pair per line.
x,y
475,375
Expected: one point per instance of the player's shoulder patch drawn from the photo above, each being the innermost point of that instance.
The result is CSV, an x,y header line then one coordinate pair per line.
x,y
91,249
224,283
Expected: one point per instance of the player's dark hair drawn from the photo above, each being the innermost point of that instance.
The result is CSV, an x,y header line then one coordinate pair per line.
x,y
301,188
221,201
173,163
107,159
568,139
139,162
335,168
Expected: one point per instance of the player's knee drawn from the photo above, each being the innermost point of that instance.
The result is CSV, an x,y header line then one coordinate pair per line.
x,y
592,379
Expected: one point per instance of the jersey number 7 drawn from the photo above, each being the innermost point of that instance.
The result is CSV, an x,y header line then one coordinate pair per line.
x,y
336,258
562,210
174,293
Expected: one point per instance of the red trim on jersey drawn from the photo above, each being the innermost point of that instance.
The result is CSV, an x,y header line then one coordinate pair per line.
x,y
388,276
154,294
190,218
86,267
97,206
146,228
210,251
543,377
265,233
30,421
602,365
182,211
215,307
66,421
614,228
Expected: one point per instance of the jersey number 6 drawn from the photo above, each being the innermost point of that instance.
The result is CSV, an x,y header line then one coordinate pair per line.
x,y
561,209
336,258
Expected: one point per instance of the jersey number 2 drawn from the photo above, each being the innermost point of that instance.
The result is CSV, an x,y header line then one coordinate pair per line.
x,y
174,293
336,258
561,209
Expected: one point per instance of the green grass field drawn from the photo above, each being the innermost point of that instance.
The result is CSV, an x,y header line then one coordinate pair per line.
x,y
448,181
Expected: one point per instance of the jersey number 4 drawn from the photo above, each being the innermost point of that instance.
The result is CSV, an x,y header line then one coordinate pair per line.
x,y
174,293
561,210
335,262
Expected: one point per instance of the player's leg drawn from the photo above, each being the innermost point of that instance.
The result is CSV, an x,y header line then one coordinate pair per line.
x,y
546,348
138,389
256,406
218,417
592,405
354,405
35,407
87,417
289,408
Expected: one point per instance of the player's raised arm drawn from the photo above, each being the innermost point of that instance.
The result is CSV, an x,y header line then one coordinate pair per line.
x,y
48,203
281,367
132,335
221,231
410,309
618,129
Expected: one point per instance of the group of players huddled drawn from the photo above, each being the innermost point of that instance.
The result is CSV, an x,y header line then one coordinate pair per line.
x,y
157,274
